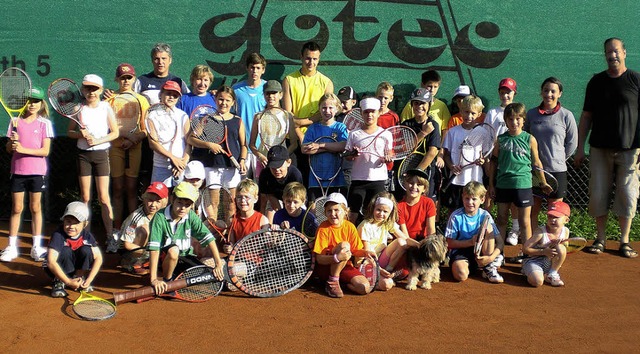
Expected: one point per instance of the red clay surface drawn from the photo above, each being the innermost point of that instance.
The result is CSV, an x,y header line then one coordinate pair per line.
x,y
597,311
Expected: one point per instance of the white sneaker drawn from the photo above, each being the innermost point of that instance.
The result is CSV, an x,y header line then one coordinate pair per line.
x,y
38,253
554,279
112,242
9,254
512,237
491,273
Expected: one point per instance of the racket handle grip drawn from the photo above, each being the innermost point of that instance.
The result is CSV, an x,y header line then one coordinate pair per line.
x,y
146,291
234,162
349,153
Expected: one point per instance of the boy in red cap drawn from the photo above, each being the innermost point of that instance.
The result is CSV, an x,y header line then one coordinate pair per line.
x,y
546,252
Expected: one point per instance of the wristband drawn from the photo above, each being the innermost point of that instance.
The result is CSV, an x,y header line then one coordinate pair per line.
x,y
335,258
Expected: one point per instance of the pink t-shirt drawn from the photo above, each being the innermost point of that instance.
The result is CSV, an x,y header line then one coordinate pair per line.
x,y
32,135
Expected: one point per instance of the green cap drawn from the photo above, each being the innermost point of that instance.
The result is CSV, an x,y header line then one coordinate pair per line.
x,y
186,190
37,93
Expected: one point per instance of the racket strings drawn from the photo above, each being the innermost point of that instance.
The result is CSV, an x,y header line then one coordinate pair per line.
x,y
481,135
127,111
94,309
162,124
66,97
404,141
353,120
211,129
14,87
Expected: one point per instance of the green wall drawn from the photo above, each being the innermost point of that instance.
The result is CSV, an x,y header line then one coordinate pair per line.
x,y
471,41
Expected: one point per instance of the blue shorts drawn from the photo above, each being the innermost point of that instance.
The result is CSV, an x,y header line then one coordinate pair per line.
x,y
464,254
28,183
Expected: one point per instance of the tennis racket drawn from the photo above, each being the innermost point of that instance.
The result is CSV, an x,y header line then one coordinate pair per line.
x,y
65,97
325,166
161,127
310,224
409,163
15,85
200,276
209,126
353,120
477,248
92,308
128,112
402,139
475,148
273,127
371,270
270,263
573,244
536,182
218,208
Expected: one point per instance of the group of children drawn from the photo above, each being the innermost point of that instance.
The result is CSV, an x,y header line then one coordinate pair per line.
x,y
168,231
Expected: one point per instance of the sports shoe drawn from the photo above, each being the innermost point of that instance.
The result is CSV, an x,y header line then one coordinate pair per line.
x,y
112,242
491,273
554,279
38,253
333,289
57,290
512,237
9,254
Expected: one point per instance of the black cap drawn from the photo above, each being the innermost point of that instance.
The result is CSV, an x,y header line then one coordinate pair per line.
x,y
417,172
347,93
276,156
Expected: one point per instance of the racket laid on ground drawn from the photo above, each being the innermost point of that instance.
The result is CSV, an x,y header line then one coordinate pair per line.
x,y
273,127
92,308
403,141
477,146
65,97
477,248
409,163
353,120
573,244
128,112
200,278
209,126
15,85
370,268
270,263
535,181
218,208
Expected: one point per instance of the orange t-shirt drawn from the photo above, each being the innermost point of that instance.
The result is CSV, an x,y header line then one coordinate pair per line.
x,y
328,236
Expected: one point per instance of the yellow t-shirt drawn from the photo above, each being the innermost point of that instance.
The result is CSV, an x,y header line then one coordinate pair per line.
x,y
438,109
305,93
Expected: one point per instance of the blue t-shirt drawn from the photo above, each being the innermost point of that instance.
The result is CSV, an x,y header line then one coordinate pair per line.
x,y
249,101
190,101
316,130
463,227
295,222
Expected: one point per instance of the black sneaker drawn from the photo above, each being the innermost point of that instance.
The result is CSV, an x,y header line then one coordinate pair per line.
x,y
57,289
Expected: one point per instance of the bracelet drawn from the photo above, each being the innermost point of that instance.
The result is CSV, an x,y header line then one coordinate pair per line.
x,y
335,258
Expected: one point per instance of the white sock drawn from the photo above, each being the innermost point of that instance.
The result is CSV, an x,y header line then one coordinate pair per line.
x,y
515,225
13,241
37,239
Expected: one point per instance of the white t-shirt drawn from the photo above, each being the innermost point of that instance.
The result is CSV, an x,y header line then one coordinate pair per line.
x,y
495,117
177,146
369,167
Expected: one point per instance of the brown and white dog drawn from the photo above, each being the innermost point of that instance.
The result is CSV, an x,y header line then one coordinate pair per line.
x,y
425,260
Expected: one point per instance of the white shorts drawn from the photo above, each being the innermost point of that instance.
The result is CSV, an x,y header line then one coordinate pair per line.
x,y
227,177
536,264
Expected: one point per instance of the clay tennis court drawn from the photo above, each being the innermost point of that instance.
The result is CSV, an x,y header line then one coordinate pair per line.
x,y
597,311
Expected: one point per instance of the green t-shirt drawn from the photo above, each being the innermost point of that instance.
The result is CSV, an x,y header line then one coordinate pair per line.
x,y
514,161
165,232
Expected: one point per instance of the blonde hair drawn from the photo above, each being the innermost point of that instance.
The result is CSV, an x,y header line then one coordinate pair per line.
x,y
200,71
384,86
331,97
473,103
393,216
294,190
248,186
474,189
42,112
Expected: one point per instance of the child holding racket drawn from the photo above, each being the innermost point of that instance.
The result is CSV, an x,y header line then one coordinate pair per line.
x,y
170,156
73,256
324,141
125,153
369,172
555,129
379,225
462,232
510,171
29,143
337,240
547,254
201,78
292,216
246,219
172,230
94,140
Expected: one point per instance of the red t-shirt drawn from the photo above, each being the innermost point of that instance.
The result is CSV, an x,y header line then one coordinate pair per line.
x,y
415,216
242,227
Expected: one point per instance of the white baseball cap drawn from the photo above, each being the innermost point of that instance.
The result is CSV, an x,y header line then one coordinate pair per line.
x,y
337,198
78,210
194,169
92,80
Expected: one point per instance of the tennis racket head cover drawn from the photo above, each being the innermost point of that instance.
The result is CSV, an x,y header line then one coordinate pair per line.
x,y
160,125
65,97
15,87
93,308
270,263
127,110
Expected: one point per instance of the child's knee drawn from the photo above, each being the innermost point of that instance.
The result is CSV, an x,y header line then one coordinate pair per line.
x,y
535,279
360,285
385,284
460,271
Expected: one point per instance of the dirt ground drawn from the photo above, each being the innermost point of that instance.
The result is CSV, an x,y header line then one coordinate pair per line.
x,y
597,311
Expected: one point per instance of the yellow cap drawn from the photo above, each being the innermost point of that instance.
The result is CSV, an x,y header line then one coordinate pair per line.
x,y
187,191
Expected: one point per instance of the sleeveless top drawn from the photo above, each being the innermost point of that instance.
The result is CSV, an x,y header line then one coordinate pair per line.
x,y
514,161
